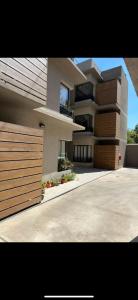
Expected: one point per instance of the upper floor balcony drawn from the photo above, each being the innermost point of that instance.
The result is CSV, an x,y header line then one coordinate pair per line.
x,y
26,77
86,121
67,111
84,92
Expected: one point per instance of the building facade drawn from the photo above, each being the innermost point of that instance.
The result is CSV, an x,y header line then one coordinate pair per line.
x,y
100,104
35,92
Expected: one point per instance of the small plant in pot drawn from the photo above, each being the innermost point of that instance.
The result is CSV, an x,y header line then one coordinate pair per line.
x,y
62,179
48,184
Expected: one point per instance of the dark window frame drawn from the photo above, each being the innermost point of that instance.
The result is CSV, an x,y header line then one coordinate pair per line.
x,y
84,97
82,158
68,89
89,126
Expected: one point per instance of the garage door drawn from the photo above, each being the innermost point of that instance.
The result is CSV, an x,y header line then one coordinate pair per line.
x,y
21,161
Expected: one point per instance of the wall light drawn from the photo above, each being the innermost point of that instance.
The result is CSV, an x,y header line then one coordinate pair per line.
x,y
42,125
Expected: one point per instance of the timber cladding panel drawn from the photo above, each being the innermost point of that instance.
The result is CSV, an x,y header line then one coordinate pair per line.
x,y
108,92
106,157
107,124
21,167
25,76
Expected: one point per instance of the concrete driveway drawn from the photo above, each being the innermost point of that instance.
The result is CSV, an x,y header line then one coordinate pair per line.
x,y
105,210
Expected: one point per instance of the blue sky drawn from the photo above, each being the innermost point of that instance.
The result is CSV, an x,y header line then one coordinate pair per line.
x,y
107,63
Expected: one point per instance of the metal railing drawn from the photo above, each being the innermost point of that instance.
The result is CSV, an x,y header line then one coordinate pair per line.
x,y
67,111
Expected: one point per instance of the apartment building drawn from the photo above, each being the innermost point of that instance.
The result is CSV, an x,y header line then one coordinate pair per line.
x,y
35,125
100,104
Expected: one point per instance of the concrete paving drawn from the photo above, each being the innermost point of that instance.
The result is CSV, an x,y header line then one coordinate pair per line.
x,y
104,210
80,179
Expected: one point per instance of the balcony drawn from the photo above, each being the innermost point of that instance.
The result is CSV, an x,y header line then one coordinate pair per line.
x,y
86,121
84,91
68,112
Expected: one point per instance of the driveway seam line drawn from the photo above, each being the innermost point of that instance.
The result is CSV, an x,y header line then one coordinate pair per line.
x,y
75,188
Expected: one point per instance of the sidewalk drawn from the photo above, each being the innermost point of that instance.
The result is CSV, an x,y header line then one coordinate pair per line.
x,y
83,176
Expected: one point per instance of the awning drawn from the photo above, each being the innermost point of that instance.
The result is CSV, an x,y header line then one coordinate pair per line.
x,y
68,66
56,116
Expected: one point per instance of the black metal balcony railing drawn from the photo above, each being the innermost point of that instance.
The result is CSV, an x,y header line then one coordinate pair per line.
x,y
68,112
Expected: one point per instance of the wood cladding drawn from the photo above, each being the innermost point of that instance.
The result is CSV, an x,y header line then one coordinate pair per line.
x,y
106,157
107,125
21,161
108,92
25,76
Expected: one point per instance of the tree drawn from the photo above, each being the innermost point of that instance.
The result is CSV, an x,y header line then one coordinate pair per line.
x,y
136,128
132,135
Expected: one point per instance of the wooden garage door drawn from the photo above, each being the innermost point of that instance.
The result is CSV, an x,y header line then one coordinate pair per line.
x,y
21,161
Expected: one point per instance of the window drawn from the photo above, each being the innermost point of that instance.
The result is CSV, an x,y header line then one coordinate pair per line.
x,y
64,95
62,152
84,91
82,153
84,120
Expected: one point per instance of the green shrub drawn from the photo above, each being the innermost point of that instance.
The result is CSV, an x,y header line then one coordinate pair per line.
x,y
64,164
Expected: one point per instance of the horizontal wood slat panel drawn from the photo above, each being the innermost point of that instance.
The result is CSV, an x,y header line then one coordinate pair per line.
x,y
12,183
20,88
9,146
6,156
42,60
38,64
11,174
9,127
19,191
22,65
14,165
33,68
15,74
21,161
16,137
19,207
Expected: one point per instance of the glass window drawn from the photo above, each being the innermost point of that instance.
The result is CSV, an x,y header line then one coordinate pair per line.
x,y
64,95
62,152
82,153
84,120
84,91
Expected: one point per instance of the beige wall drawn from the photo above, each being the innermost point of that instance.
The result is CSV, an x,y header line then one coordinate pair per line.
x,y
132,155
53,132
55,77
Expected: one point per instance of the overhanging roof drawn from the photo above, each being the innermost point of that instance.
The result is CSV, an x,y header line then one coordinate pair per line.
x,y
61,119
89,66
132,66
68,66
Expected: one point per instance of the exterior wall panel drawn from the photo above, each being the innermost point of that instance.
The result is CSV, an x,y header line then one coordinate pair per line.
x,y
25,76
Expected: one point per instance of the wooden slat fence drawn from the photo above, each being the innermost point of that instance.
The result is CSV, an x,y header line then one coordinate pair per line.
x,y
21,166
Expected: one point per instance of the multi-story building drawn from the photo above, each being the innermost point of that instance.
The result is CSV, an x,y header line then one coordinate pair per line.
x,y
100,104
35,125
35,92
